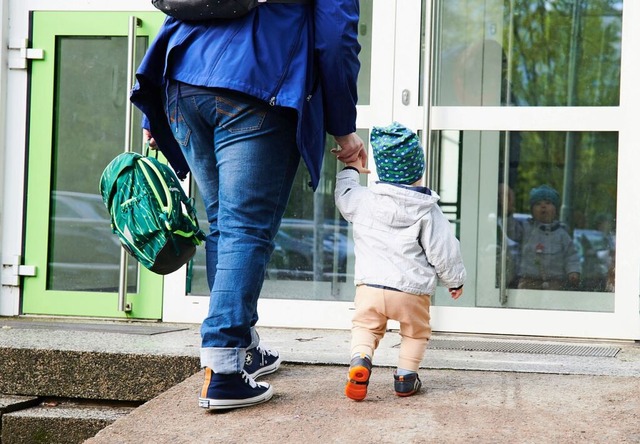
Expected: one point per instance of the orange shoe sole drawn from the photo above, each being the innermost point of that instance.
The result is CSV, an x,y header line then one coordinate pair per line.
x,y
404,395
358,383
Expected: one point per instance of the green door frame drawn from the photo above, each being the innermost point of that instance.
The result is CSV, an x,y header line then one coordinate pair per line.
x,y
36,298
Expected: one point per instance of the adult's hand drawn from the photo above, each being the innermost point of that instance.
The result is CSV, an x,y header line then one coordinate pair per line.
x,y
146,136
351,149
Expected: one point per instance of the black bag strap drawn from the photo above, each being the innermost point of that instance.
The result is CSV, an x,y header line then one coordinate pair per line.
x,y
302,2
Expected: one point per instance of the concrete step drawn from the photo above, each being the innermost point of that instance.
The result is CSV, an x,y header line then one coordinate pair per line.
x,y
9,403
103,361
91,375
59,422
65,380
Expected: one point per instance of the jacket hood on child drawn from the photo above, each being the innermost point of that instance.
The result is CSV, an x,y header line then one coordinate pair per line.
x,y
403,205
402,239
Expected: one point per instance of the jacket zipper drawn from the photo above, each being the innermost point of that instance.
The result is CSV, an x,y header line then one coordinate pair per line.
x,y
272,100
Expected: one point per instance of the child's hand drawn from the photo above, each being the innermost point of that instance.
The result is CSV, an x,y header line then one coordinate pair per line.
x,y
455,292
357,164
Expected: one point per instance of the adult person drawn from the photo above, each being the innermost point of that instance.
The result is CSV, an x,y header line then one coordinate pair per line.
x,y
238,102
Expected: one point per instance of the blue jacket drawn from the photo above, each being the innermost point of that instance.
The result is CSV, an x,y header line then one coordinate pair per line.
x,y
293,55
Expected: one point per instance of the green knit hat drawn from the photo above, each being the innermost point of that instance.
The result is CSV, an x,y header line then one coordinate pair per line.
x,y
544,192
397,153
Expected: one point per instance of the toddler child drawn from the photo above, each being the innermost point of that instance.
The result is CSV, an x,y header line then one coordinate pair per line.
x,y
403,245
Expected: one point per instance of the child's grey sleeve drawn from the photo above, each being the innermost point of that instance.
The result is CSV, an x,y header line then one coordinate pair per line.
x,y
442,249
347,192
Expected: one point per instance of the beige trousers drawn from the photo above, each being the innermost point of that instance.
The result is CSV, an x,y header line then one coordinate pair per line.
x,y
375,306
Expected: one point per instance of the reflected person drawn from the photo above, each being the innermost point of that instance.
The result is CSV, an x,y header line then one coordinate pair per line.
x,y
548,257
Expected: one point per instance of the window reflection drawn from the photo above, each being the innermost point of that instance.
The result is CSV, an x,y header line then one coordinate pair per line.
x,y
314,243
560,206
83,254
528,53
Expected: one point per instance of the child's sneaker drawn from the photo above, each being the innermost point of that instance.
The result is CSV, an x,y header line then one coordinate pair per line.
x,y
406,385
359,374
261,361
232,391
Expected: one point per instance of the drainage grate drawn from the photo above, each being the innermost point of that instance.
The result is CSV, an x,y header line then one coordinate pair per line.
x,y
540,348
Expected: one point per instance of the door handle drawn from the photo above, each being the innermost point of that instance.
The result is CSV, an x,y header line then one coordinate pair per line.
x,y
134,22
406,97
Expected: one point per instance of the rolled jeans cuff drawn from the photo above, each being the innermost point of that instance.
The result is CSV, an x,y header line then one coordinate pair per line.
x,y
223,360
227,360
255,338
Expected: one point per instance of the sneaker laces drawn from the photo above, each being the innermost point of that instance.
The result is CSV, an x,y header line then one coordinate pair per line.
x,y
264,351
249,380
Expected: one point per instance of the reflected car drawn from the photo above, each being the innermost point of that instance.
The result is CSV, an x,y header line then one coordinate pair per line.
x,y
596,257
295,247
84,254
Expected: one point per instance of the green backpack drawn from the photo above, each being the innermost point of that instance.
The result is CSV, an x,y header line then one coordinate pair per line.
x,y
152,216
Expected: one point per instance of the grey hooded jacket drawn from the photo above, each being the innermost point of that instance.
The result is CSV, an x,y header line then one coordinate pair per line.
x,y
546,250
402,239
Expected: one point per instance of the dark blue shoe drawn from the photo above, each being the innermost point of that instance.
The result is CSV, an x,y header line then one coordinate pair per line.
x,y
406,385
232,391
261,361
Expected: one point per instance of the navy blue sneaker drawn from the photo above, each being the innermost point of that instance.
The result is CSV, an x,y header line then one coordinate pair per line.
x,y
232,391
406,385
261,361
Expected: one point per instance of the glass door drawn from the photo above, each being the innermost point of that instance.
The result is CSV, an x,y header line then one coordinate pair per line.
x,y
77,126
527,100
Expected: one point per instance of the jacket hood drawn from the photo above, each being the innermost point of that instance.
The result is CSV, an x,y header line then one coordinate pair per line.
x,y
403,205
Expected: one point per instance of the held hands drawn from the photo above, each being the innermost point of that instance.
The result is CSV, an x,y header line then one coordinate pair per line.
x,y
455,292
351,152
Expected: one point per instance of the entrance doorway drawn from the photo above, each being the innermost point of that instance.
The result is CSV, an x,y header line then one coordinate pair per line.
x,y
78,96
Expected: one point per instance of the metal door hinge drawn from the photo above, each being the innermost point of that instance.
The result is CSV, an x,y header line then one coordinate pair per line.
x,y
20,53
11,272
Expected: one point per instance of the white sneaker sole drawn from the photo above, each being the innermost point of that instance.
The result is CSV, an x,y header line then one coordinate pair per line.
x,y
220,404
267,370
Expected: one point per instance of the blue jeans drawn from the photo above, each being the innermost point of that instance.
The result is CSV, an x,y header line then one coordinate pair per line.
x,y
243,155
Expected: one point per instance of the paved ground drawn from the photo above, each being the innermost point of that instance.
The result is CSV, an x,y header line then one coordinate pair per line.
x,y
455,406
468,397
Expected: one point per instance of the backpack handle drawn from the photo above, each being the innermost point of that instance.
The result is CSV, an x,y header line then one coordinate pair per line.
x,y
147,147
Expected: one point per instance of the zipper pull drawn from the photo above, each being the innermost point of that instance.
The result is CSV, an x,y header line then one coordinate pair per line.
x,y
272,101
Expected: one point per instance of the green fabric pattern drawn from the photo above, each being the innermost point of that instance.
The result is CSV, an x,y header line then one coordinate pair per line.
x,y
397,153
150,213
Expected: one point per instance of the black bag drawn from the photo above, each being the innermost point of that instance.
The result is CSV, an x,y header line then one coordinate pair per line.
x,y
196,10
